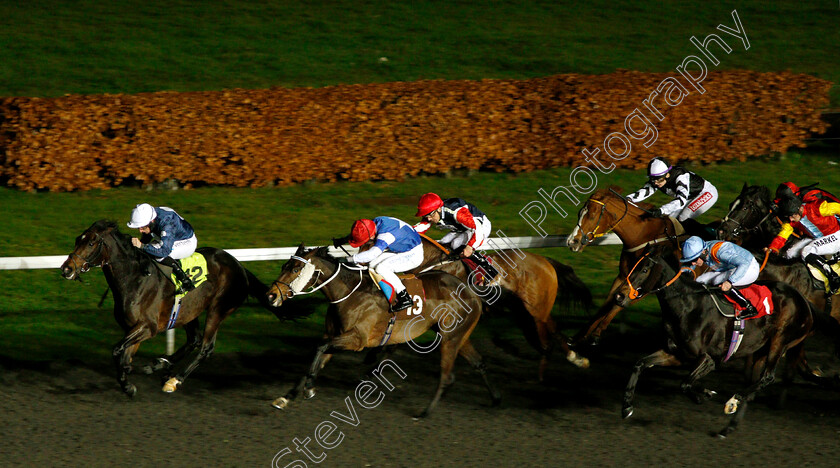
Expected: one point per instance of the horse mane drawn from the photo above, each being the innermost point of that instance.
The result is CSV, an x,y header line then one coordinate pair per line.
x,y
761,191
614,193
123,240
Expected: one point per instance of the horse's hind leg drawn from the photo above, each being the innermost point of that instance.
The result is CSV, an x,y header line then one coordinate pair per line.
x,y
448,353
471,355
705,365
659,358
122,354
166,362
208,344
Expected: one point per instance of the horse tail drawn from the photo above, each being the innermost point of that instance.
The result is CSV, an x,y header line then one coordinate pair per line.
x,y
570,289
257,289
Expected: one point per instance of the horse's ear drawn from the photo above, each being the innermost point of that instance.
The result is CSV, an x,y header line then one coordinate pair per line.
x,y
300,250
744,188
322,251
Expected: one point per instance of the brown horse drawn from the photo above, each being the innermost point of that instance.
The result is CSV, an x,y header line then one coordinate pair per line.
x,y
605,212
700,334
359,316
144,297
530,283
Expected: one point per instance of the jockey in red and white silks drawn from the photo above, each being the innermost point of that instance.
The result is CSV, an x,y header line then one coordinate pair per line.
x,y
692,194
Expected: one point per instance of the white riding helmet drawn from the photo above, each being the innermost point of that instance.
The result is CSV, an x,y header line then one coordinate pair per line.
x,y
658,167
142,215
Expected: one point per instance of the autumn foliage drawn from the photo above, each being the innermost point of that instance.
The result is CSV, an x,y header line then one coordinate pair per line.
x,y
390,131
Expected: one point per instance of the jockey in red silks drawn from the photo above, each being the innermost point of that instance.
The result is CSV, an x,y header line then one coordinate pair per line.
x,y
807,194
397,249
469,227
817,221
692,194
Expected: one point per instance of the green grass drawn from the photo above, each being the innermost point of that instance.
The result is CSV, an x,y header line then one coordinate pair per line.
x,y
44,315
50,47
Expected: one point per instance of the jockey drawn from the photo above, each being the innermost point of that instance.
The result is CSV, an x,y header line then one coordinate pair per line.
x,y
692,194
730,266
817,221
469,227
397,249
168,237
807,194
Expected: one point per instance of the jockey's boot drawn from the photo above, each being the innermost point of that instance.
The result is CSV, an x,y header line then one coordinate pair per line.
x,y
749,309
186,283
402,302
489,270
819,262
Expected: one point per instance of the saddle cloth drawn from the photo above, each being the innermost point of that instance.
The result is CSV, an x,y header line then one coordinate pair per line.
x,y
820,276
759,296
195,266
414,287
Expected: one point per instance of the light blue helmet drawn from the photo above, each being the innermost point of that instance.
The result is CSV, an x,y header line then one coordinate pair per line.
x,y
692,248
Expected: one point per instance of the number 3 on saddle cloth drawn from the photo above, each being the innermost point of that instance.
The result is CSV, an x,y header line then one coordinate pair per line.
x,y
414,288
195,266
759,296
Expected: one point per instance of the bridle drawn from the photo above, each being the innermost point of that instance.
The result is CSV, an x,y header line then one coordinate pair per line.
x,y
636,293
739,227
594,234
297,289
87,263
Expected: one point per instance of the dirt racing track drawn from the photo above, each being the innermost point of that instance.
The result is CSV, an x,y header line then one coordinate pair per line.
x,y
69,413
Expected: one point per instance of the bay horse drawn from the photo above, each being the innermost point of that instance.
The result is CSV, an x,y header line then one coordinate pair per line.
x,y
751,223
699,334
359,315
530,283
144,297
604,212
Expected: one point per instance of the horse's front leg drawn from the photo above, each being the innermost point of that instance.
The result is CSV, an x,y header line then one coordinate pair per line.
x,y
704,365
659,358
606,313
123,352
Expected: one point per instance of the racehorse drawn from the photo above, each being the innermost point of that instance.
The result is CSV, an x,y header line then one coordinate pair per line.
x,y
359,316
751,223
530,283
144,297
698,333
605,212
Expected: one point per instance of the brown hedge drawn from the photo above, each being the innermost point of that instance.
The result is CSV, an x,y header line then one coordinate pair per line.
x,y
390,131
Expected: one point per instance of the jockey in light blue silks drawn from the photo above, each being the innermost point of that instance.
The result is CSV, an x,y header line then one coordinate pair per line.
x,y
170,238
397,249
730,266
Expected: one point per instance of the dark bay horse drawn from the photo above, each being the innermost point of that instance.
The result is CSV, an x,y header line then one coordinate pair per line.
x,y
530,283
751,223
144,297
359,314
605,212
699,334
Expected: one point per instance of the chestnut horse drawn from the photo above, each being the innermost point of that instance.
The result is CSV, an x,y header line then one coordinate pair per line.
x,y
605,212
144,297
699,334
359,316
529,283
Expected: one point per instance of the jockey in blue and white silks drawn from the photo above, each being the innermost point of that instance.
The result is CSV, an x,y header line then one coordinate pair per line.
x,y
397,248
171,237
730,266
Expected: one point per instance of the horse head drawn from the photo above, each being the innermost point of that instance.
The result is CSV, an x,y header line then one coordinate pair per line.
x,y
602,213
303,270
746,214
91,250
651,273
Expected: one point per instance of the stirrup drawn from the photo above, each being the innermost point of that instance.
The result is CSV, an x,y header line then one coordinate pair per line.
x,y
749,312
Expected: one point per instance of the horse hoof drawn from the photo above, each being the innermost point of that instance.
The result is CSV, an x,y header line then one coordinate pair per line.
x,y
309,393
281,403
130,390
720,435
171,385
626,412
148,370
731,405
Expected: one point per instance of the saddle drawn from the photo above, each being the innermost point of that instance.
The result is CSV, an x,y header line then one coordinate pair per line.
x,y
759,296
414,287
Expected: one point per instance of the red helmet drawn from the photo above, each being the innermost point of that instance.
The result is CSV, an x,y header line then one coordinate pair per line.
x,y
428,203
362,231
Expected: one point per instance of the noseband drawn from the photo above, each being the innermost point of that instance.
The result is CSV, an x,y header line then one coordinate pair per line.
x,y
297,290
637,293
739,227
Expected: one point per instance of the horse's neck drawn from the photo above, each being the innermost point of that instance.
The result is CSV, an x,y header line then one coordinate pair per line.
x,y
124,272
634,231
343,283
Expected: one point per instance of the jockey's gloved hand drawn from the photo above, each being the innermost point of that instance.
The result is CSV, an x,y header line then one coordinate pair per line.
x,y
657,213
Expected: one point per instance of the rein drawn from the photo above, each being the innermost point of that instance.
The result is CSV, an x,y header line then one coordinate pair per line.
x,y
293,293
87,263
634,293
